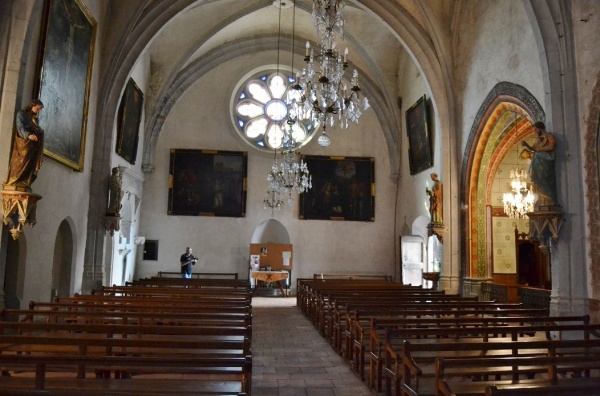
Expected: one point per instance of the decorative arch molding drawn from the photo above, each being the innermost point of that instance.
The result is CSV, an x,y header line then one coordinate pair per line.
x,y
490,137
384,109
592,182
147,20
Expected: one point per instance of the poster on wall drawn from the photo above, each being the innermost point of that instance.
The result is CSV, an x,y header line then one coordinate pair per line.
x,y
65,69
207,183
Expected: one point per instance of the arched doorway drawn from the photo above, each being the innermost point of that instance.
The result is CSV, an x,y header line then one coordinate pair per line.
x,y
273,235
63,261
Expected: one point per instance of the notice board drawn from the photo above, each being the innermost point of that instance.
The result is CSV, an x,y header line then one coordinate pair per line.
x,y
278,256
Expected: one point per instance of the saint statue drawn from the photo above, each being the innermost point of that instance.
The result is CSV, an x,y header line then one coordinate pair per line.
x,y
116,192
28,148
435,199
541,169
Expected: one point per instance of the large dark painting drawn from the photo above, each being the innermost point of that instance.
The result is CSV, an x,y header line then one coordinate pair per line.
x,y
128,127
207,183
65,68
343,188
419,138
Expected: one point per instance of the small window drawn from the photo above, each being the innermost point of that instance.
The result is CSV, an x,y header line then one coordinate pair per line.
x,y
151,250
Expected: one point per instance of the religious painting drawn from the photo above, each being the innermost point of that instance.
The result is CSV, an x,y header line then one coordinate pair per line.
x,y
128,126
419,137
343,188
207,183
65,69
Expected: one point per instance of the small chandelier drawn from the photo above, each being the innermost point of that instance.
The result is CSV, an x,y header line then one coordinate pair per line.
x,y
289,176
286,178
320,93
520,200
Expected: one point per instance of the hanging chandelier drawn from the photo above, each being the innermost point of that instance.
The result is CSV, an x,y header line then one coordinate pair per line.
x,y
520,200
320,94
289,176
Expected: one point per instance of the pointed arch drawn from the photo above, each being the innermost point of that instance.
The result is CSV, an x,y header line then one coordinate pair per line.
x,y
592,182
63,260
493,133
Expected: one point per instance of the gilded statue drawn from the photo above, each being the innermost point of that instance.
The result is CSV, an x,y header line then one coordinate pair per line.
x,y
27,149
435,199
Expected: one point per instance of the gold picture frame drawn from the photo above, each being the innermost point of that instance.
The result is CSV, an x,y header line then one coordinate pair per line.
x,y
65,70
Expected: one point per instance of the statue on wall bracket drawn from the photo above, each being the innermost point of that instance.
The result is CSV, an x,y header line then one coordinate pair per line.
x,y
436,227
546,219
19,203
112,220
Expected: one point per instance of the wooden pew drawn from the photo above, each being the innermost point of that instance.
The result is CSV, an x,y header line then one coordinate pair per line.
x,y
141,316
489,334
453,375
582,387
344,317
381,326
206,375
218,275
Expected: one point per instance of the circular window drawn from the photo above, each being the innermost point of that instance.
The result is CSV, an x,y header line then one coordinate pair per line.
x,y
260,110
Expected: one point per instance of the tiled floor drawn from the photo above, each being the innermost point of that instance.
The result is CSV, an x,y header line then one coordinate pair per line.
x,y
290,357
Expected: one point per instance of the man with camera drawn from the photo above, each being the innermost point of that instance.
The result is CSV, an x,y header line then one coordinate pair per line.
x,y
187,260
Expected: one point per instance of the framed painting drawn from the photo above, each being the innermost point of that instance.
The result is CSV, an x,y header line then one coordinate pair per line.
x,y
419,137
343,188
207,183
65,69
128,124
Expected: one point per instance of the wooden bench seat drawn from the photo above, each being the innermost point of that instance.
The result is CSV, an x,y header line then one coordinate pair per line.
x,y
209,275
167,305
413,365
204,375
342,328
140,318
397,336
224,293
453,376
379,327
575,386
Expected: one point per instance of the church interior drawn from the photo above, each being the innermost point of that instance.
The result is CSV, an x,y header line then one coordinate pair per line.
x,y
450,145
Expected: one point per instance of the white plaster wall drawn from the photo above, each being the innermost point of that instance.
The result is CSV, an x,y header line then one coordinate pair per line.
x,y
59,203
122,250
494,43
414,201
200,120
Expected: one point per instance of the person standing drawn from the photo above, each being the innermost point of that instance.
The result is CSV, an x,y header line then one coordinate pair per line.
x,y
187,261
27,149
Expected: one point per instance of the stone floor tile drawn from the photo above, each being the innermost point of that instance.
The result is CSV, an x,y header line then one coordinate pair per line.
x,y
291,358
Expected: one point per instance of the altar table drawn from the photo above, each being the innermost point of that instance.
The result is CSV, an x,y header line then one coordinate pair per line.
x,y
263,277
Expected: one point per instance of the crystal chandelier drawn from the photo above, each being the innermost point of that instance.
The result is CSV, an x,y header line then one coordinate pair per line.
x,y
520,200
320,94
286,178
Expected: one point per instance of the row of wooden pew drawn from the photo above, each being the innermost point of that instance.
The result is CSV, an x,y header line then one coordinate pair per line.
x,y
158,336
406,340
